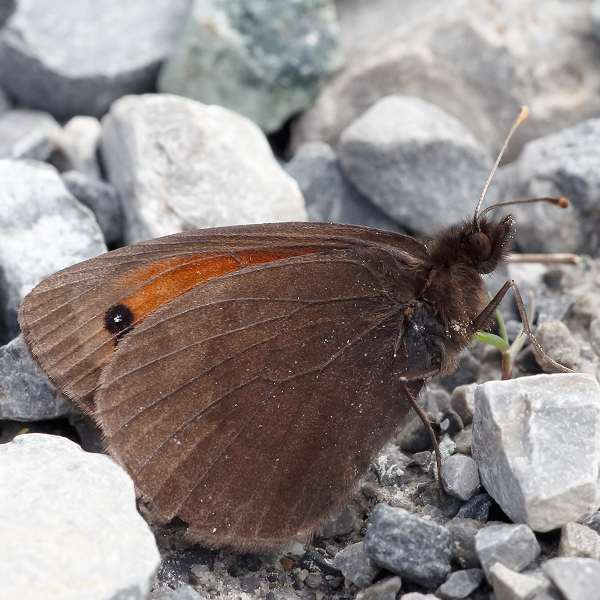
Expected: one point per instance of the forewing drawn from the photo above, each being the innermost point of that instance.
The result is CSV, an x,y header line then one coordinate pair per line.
x,y
62,319
251,406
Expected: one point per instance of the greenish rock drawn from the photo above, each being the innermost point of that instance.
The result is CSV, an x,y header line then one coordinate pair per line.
x,y
264,59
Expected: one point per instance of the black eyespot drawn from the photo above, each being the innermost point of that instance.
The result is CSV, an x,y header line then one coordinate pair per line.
x,y
118,320
480,246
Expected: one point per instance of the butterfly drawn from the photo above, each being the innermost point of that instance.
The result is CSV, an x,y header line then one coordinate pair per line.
x,y
246,377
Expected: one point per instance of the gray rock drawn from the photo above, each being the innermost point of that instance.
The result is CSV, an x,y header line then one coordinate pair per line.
x,y
7,8
185,592
43,228
463,531
477,508
460,584
454,54
450,423
5,103
79,57
387,589
460,476
579,540
266,61
26,394
567,164
576,578
70,523
595,335
329,194
28,134
510,585
421,166
342,525
389,466
559,344
514,546
409,546
180,165
463,401
463,441
77,147
355,565
419,596
536,445
102,199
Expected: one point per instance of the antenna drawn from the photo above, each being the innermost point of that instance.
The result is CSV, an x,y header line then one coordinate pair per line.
x,y
523,114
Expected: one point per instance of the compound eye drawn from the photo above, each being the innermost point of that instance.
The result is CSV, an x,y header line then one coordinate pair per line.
x,y
480,246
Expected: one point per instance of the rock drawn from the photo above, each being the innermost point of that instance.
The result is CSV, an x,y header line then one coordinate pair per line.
x,y
102,199
567,164
70,523
460,584
421,166
559,344
180,165
417,550
514,546
185,592
43,228
78,146
355,565
389,466
510,585
460,476
343,525
576,578
28,134
328,193
26,394
463,531
78,58
266,61
463,441
477,508
450,423
478,61
387,589
463,401
7,7
579,540
536,445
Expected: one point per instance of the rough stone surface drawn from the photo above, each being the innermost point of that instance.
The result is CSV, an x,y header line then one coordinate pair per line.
x,y
390,466
515,546
70,525
179,165
579,540
536,441
101,198
576,578
559,344
421,166
43,228
460,476
26,394
409,546
387,589
479,61
460,584
355,565
329,194
83,54
7,8
463,401
77,147
264,60
477,508
510,585
28,134
463,531
566,163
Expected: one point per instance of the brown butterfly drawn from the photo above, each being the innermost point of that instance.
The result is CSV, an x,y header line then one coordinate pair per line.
x,y
247,376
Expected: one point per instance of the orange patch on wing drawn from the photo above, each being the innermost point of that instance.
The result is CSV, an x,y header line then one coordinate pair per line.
x,y
165,280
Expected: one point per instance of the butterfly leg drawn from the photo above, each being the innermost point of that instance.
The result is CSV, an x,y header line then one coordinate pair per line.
x,y
485,316
427,423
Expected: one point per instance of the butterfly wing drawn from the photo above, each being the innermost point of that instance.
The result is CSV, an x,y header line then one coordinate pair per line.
x,y
259,401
